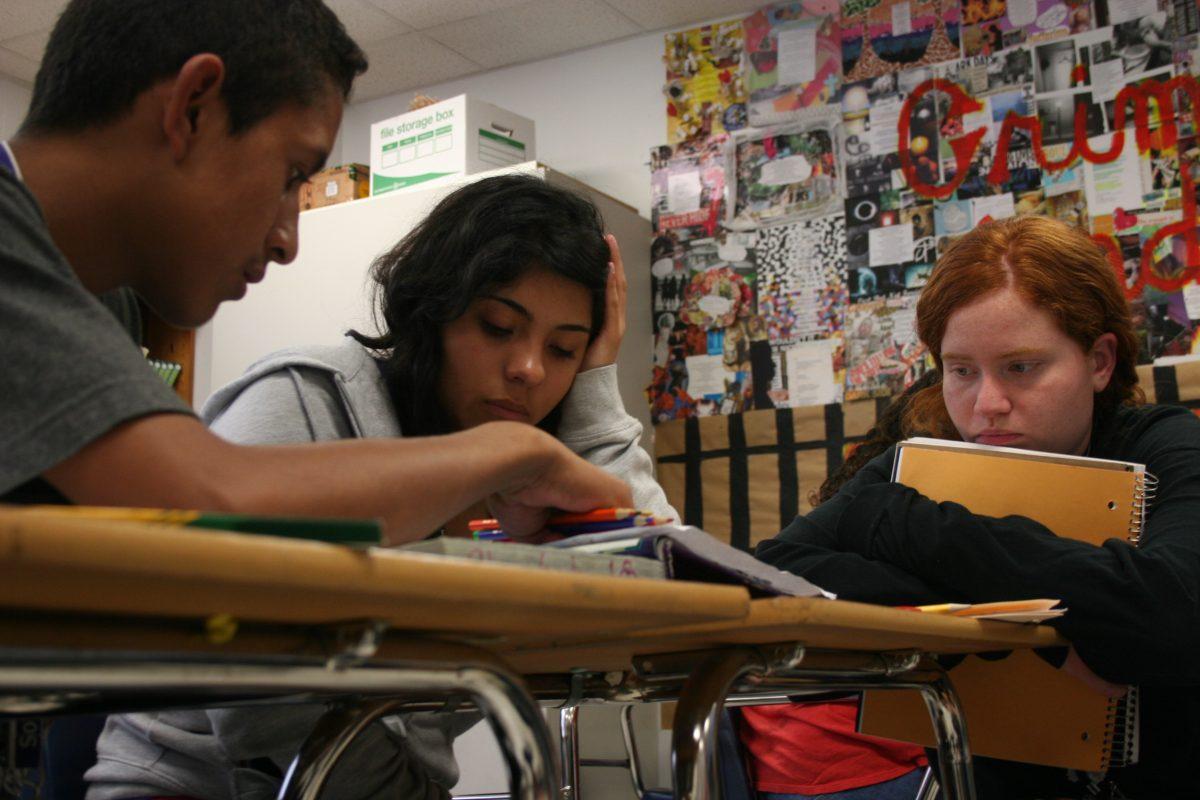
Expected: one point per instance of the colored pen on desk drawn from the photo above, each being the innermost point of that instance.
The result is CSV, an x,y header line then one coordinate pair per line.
x,y
601,519
351,532
601,527
492,535
636,515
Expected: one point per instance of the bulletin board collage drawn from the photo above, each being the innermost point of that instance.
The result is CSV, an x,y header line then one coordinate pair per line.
x,y
820,155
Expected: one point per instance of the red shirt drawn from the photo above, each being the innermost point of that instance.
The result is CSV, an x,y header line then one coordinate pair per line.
x,y
812,748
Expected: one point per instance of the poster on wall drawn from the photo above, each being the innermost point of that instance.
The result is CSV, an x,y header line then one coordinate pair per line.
x,y
705,92
705,327
793,59
882,36
989,26
802,290
890,244
946,115
687,188
868,149
883,354
870,134
785,173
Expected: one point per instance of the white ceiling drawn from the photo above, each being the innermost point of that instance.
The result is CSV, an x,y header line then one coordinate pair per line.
x,y
413,44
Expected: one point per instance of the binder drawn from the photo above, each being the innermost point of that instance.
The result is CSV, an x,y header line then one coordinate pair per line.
x,y
690,554
1020,708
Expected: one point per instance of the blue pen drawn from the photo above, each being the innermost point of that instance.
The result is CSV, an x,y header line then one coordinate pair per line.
x,y
597,527
495,535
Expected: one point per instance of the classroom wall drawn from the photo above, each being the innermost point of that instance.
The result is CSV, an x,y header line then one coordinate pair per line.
x,y
598,112
14,102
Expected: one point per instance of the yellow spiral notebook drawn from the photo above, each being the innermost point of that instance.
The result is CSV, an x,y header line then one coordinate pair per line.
x,y
1020,708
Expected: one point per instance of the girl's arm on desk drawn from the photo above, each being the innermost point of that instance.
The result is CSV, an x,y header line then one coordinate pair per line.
x,y
809,547
1133,611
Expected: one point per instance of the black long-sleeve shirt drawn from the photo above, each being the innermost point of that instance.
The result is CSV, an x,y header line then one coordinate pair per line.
x,y
1134,612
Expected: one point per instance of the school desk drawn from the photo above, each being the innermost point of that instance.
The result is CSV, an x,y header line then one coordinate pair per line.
x,y
104,616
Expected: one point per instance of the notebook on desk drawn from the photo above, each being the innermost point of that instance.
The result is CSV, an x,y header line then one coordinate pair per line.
x,y
1020,708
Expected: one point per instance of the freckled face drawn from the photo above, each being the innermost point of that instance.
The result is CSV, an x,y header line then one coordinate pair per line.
x,y
1012,377
514,353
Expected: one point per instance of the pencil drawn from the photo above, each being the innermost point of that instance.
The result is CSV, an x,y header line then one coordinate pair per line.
x,y
943,608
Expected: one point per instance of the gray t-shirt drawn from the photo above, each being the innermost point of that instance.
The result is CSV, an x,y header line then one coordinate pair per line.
x,y
69,371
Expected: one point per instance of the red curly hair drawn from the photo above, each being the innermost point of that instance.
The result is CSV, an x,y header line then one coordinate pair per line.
x,y
1053,266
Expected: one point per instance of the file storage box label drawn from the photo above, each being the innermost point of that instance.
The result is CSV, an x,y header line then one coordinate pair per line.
x,y
444,141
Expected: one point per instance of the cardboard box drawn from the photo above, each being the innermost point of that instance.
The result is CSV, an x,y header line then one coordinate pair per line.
x,y
335,185
444,141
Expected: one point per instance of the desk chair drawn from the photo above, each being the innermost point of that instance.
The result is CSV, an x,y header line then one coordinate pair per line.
x,y
735,773
929,789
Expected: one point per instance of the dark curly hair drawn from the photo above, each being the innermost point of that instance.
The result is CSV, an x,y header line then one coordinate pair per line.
x,y
888,429
481,237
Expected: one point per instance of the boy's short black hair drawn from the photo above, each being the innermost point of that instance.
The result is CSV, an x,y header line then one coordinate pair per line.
x,y
102,54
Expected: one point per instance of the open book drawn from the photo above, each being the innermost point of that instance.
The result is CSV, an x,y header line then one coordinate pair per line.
x,y
527,555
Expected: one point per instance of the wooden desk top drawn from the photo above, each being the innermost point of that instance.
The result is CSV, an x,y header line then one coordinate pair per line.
x,y
815,622
58,564
538,621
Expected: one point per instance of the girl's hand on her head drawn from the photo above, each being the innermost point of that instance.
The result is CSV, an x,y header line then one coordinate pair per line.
x,y
603,350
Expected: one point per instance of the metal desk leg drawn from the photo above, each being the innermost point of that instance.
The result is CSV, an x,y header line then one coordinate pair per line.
x,y
954,754
929,788
334,732
568,718
515,718
694,738
635,763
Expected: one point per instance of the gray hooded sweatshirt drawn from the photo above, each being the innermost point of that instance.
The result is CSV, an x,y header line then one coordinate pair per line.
x,y
321,394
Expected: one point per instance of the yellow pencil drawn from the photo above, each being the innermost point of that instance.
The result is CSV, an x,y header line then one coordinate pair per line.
x,y
943,608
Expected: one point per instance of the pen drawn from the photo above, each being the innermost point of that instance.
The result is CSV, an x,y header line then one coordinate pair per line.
x,y
600,515
600,527
634,517
490,536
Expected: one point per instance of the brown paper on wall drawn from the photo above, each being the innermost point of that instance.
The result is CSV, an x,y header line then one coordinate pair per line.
x,y
752,473
746,510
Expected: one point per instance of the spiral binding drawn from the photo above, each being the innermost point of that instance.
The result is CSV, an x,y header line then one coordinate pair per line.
x,y
1121,731
1144,490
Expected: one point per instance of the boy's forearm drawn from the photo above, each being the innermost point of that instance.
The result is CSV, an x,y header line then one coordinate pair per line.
x,y
413,485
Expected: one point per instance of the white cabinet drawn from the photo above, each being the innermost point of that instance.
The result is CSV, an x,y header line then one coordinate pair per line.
x,y
326,290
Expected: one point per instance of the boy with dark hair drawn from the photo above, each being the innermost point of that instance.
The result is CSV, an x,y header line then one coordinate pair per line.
x,y
104,53
164,150
162,156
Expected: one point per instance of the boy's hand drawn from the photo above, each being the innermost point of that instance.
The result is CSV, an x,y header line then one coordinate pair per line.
x,y
560,480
